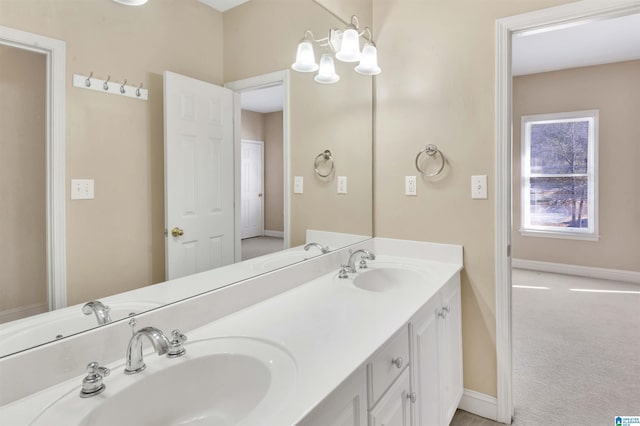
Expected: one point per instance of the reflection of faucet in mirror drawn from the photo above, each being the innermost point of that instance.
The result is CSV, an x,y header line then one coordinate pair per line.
x,y
323,249
99,309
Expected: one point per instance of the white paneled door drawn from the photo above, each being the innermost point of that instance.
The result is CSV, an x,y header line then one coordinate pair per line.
x,y
199,189
252,183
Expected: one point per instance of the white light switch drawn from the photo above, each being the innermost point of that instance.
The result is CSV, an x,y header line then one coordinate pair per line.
x,y
82,189
410,185
479,187
342,184
297,184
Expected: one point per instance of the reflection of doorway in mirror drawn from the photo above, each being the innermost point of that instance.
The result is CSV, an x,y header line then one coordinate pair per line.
x,y
23,250
262,232
252,188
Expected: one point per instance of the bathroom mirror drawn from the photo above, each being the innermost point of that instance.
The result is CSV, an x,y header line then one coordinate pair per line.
x,y
115,243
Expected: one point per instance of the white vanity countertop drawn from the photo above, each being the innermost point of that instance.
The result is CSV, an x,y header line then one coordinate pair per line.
x,y
328,326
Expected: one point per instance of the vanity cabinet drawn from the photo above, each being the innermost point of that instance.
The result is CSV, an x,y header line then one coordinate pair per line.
x,y
414,379
437,356
346,406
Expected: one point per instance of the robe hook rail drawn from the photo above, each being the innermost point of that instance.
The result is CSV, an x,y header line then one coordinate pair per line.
x,y
105,86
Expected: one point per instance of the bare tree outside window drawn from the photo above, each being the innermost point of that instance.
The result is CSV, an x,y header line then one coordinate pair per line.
x,y
558,172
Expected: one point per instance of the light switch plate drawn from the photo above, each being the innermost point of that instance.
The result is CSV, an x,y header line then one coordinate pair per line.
x,y
297,184
82,189
410,185
342,184
479,187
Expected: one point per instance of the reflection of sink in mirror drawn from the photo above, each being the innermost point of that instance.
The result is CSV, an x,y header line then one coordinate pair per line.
x,y
225,381
19,335
387,278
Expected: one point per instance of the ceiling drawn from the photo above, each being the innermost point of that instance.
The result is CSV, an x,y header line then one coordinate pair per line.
x,y
223,5
577,45
270,99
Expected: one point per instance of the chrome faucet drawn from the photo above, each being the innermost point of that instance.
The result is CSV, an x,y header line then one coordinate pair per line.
x,y
92,384
99,309
323,249
350,267
134,360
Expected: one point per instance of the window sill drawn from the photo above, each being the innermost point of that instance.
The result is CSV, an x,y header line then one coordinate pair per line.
x,y
559,235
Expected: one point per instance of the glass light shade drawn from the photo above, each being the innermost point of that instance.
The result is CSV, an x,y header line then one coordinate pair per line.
x,y
350,47
327,73
305,58
131,2
369,62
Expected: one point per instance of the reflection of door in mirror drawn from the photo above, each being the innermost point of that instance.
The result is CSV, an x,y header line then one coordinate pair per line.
x,y
262,207
23,252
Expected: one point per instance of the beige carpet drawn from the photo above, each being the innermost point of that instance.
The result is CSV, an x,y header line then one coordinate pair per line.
x,y
576,354
259,246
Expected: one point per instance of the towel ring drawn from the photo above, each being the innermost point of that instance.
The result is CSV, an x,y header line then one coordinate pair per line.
x,y
326,155
430,150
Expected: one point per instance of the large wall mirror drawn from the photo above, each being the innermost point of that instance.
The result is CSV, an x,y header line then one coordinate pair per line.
x,y
115,242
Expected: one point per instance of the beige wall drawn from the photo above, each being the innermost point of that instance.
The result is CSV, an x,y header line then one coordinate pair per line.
x,y
335,117
273,185
614,89
23,281
115,242
252,126
437,86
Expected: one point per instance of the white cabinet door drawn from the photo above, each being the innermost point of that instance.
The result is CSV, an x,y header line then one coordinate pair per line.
x,y
426,363
393,409
451,345
437,356
346,406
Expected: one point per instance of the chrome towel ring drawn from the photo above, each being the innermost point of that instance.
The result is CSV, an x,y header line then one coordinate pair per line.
x,y
430,150
326,156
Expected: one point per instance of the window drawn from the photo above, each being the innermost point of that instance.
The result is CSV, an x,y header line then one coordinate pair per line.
x,y
559,181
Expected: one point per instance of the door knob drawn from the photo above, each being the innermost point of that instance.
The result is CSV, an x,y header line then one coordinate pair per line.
x,y
259,195
177,232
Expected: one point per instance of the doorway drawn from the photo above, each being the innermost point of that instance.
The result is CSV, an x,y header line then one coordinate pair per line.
x,y
263,188
538,21
44,159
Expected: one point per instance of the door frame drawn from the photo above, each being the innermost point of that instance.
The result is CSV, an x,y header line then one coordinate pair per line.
x,y
261,144
540,20
246,85
55,52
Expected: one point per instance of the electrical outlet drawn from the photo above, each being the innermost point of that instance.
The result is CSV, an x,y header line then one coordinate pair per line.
x,y
297,184
410,185
342,184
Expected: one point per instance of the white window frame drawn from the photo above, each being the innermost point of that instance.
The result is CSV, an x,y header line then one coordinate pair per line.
x,y
590,233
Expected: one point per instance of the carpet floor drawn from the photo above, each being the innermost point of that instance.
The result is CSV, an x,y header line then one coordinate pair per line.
x,y
576,351
259,246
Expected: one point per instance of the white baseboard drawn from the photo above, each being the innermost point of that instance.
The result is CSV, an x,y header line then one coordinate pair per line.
x,y
277,234
22,312
581,271
480,404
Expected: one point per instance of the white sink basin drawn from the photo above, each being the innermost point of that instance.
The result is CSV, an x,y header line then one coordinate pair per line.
x,y
222,382
387,278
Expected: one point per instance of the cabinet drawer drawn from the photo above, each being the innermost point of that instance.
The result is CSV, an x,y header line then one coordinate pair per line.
x,y
387,364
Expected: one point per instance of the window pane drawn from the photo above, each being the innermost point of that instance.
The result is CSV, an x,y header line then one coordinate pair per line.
x,y
559,147
560,202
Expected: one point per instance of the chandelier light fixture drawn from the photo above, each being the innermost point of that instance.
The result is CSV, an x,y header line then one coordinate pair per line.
x,y
345,45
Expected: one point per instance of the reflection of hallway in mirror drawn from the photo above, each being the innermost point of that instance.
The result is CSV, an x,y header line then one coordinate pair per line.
x,y
259,246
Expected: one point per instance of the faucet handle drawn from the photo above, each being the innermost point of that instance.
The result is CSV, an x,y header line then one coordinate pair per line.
x,y
175,345
92,384
363,264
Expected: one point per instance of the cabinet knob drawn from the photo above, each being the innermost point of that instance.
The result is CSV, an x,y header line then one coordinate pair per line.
x,y
412,397
397,362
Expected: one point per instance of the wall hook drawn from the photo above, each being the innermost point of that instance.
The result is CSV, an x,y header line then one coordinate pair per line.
x,y
105,86
122,90
138,90
87,82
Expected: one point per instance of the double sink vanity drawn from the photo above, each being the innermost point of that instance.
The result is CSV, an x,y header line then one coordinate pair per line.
x,y
377,342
